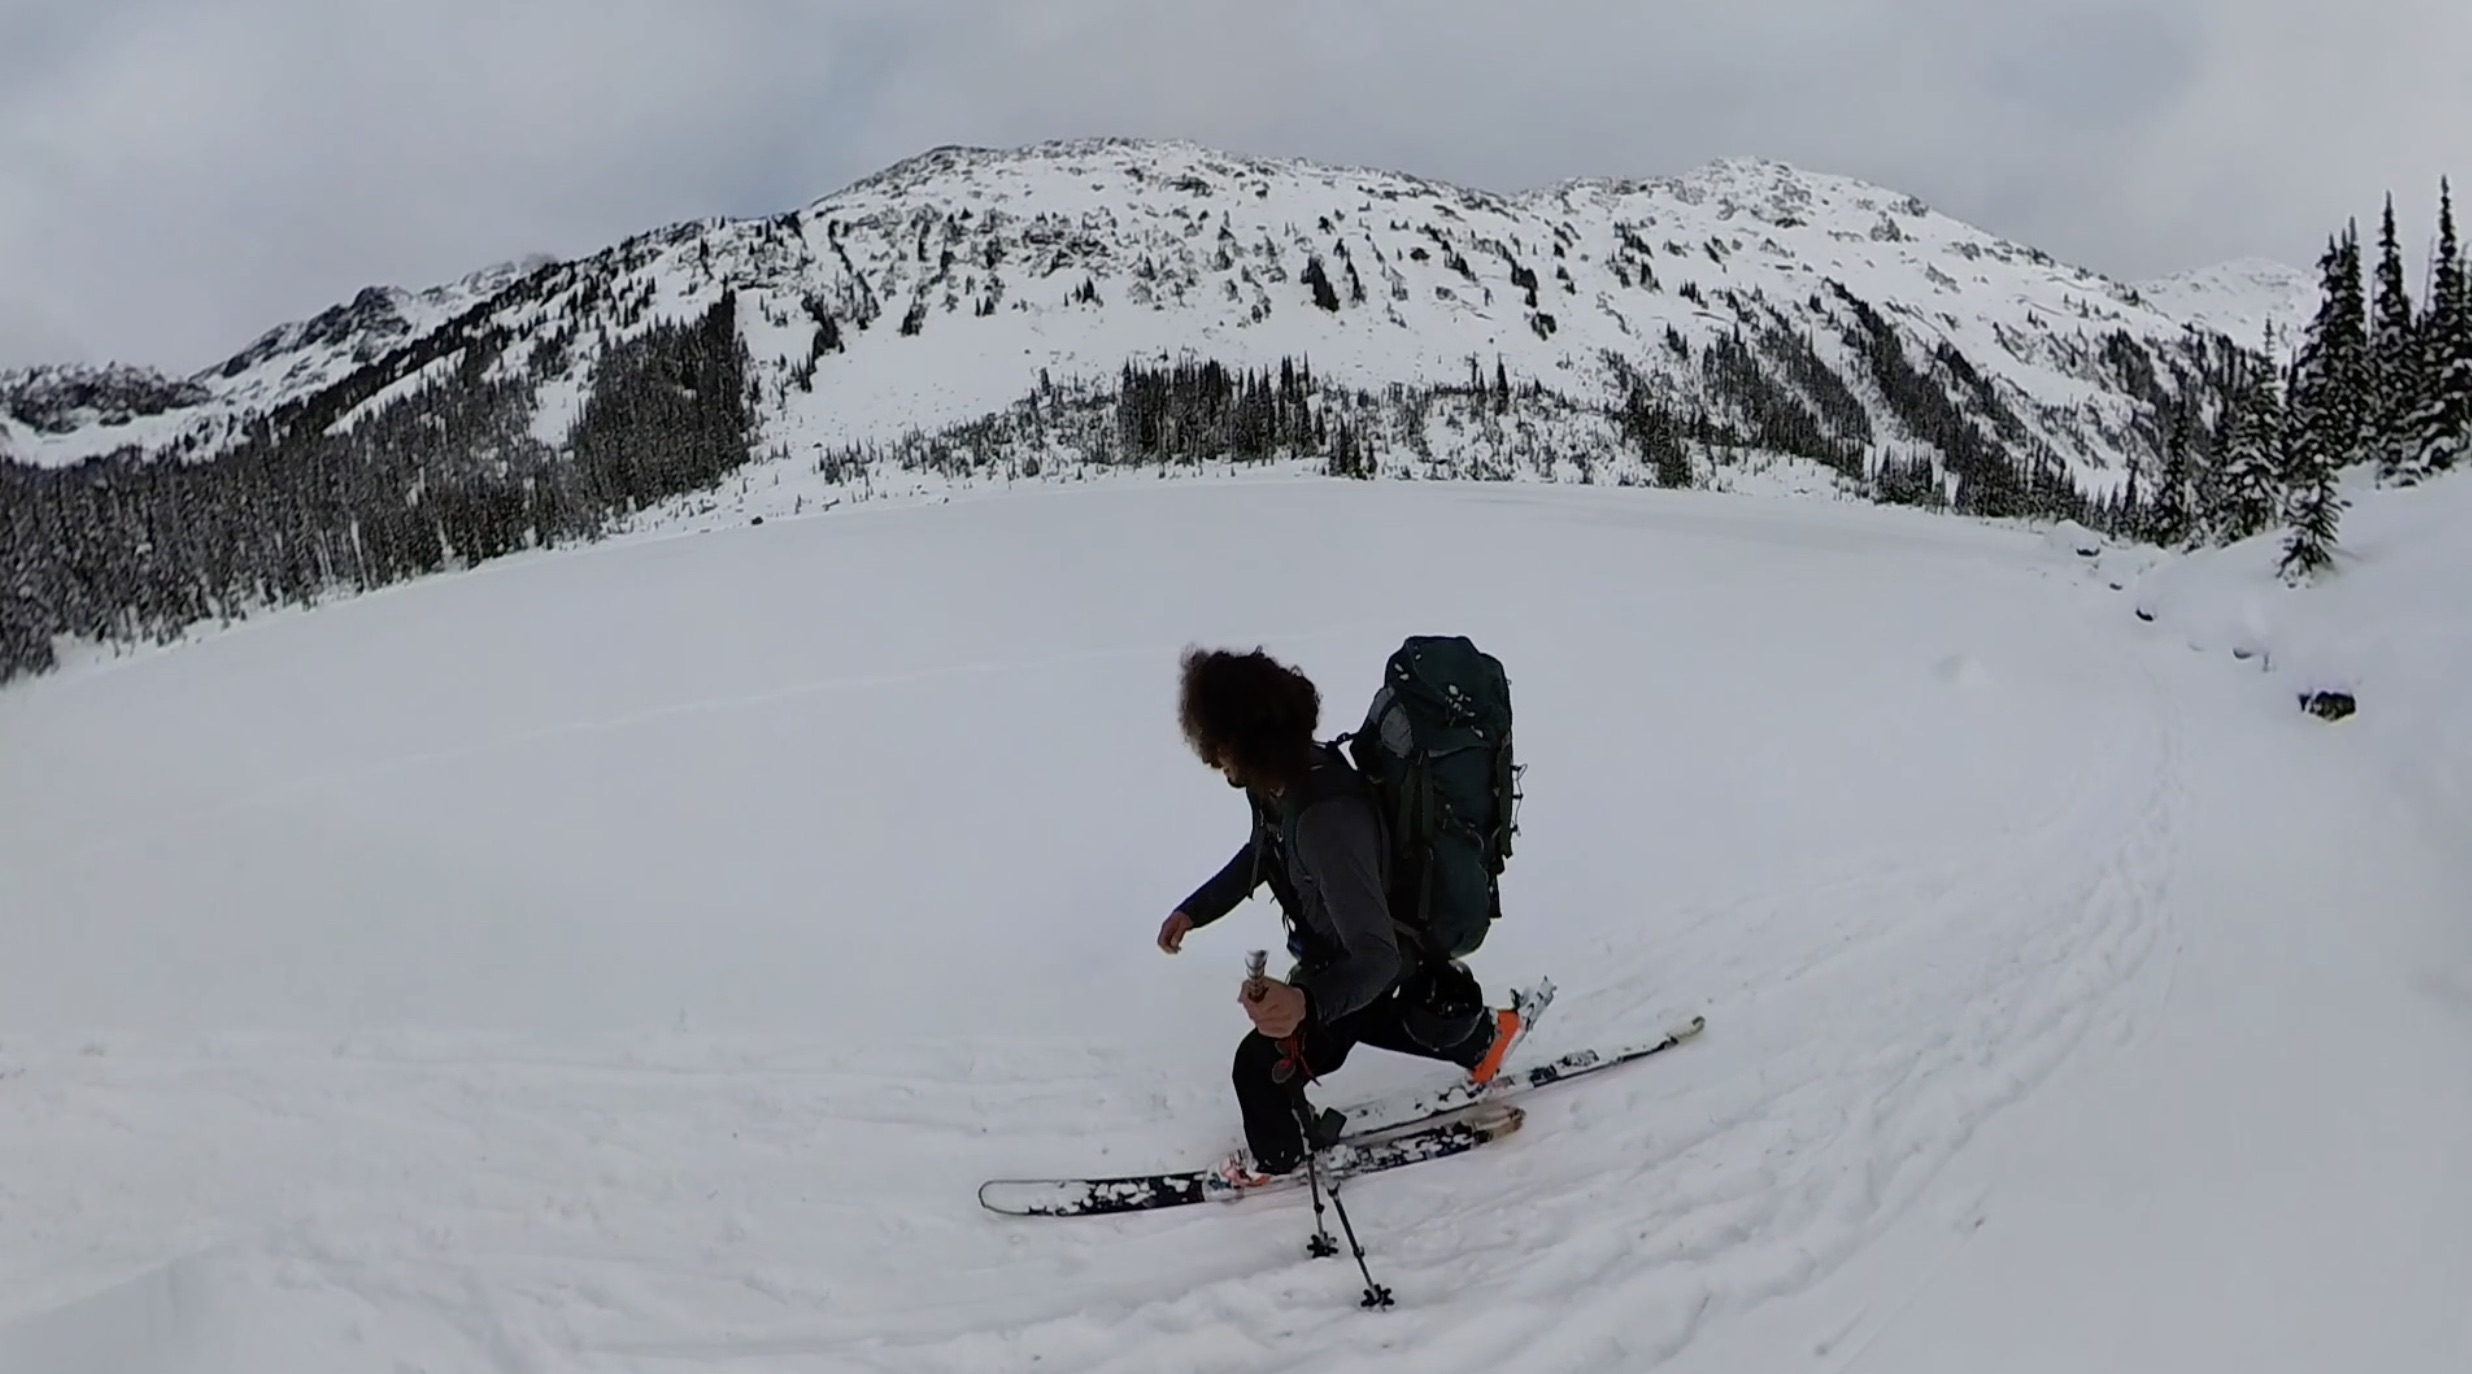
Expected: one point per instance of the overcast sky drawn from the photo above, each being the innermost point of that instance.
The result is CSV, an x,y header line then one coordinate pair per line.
x,y
178,175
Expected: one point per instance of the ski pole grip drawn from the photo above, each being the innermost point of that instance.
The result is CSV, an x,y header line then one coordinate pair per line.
x,y
1255,965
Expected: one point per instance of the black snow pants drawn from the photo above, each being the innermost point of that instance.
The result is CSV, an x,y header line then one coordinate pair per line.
x,y
1270,1106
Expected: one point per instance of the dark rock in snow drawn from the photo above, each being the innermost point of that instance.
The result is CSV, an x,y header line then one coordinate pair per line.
x,y
2329,705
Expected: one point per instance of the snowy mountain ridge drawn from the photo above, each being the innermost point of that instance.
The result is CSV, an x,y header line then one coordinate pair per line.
x,y
2243,298
295,358
61,414
952,285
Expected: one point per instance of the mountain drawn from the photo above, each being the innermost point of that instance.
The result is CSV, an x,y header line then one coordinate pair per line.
x,y
2242,298
73,404
298,359
971,315
65,414
940,290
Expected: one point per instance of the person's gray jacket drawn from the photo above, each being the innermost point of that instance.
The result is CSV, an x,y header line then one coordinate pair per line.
x,y
1331,889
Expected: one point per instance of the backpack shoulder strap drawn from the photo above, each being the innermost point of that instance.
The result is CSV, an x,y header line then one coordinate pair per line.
x,y
1333,777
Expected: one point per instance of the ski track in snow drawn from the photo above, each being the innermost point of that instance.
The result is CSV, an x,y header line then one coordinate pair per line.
x,y
416,1199
1844,1140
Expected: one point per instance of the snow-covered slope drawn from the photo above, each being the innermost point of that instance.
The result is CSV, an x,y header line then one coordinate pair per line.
x,y
2391,627
952,285
54,414
631,959
2260,1170
1191,251
59,415
298,359
2243,298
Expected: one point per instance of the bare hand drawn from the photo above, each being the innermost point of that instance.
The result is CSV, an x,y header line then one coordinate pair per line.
x,y
1276,1008
1171,934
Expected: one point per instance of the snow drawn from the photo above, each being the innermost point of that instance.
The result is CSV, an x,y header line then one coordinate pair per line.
x,y
2392,627
2242,299
286,364
632,958
2265,1171
297,359
1197,253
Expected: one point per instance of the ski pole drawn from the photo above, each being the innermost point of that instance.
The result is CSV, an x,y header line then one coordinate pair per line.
x,y
1291,1047
1291,1057
1322,1246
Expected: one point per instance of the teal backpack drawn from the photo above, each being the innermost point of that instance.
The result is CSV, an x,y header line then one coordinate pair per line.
x,y
1436,746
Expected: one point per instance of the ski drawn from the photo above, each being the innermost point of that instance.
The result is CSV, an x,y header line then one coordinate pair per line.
x,y
1409,1108
1372,1136
1439,1138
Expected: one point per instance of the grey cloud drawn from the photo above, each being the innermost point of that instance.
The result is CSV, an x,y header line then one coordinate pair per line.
x,y
176,177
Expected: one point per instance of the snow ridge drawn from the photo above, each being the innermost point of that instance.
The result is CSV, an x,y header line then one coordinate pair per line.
x,y
952,285
2243,298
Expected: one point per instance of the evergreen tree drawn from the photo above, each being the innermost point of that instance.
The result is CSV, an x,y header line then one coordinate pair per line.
x,y
2394,359
2168,518
2440,428
2312,527
2328,413
2312,513
2350,373
2329,402
1324,294
1658,434
2249,487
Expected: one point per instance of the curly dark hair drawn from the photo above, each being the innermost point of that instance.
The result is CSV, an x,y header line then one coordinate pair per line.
x,y
1250,713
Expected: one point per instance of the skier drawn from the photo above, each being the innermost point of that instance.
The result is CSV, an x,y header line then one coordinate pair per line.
x,y
1317,839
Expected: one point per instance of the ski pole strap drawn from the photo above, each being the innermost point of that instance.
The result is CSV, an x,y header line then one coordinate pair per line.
x,y
1291,1060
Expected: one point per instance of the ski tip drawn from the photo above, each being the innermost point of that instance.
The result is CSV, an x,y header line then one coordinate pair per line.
x,y
1012,1197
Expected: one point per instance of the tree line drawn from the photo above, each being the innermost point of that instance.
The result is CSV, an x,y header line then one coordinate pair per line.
x,y
411,465
431,458
2377,378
